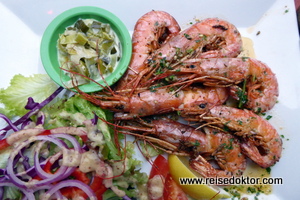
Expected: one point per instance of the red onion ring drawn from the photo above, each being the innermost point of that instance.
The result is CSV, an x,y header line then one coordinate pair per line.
x,y
74,142
39,170
70,183
22,184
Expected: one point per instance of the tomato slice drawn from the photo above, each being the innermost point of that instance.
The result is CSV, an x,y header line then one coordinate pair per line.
x,y
3,144
160,167
171,190
98,187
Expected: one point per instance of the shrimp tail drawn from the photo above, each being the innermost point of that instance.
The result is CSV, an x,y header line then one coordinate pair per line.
x,y
262,157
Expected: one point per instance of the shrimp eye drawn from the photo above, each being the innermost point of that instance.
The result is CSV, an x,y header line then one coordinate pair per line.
x,y
192,66
119,107
202,105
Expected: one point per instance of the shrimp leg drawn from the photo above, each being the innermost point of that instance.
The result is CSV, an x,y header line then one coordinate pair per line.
x,y
210,144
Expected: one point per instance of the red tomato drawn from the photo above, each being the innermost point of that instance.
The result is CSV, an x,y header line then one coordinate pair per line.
x,y
160,167
171,190
95,184
98,187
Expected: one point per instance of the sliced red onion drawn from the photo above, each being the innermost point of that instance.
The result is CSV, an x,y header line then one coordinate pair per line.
x,y
73,140
34,110
70,183
1,192
68,172
37,165
2,172
40,118
31,104
57,194
3,178
31,171
76,147
33,183
126,197
95,119
10,125
25,162
25,124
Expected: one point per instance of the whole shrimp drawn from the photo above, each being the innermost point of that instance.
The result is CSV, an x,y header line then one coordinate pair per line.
x,y
260,83
259,139
157,101
150,32
201,146
209,38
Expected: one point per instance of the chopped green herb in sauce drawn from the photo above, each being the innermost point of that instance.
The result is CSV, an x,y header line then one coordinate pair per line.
x,y
87,47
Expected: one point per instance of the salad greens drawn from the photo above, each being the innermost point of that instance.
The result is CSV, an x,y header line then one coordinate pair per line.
x,y
14,98
73,112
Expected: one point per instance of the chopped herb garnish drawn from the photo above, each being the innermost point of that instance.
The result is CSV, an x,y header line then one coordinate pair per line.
x,y
225,128
251,190
259,111
170,78
189,51
187,36
245,59
153,87
204,37
268,117
163,62
241,93
197,143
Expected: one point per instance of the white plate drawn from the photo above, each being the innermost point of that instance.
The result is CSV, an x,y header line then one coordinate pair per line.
x,y
22,24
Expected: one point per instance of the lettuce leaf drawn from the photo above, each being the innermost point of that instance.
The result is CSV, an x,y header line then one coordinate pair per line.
x,y
14,98
73,112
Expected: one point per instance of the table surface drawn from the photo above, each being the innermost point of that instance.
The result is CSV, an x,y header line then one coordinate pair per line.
x,y
297,5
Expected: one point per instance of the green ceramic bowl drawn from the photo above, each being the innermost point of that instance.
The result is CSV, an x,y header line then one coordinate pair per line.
x,y
49,51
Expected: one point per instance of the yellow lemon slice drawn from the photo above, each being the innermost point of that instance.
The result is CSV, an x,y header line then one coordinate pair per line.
x,y
179,168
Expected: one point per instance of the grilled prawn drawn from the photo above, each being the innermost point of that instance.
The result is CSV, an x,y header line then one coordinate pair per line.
x,y
158,101
209,38
209,144
260,83
260,141
150,32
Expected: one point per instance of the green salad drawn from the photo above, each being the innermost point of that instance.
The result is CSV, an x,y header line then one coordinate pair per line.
x,y
53,139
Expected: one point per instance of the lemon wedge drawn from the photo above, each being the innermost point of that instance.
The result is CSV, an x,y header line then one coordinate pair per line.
x,y
179,168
